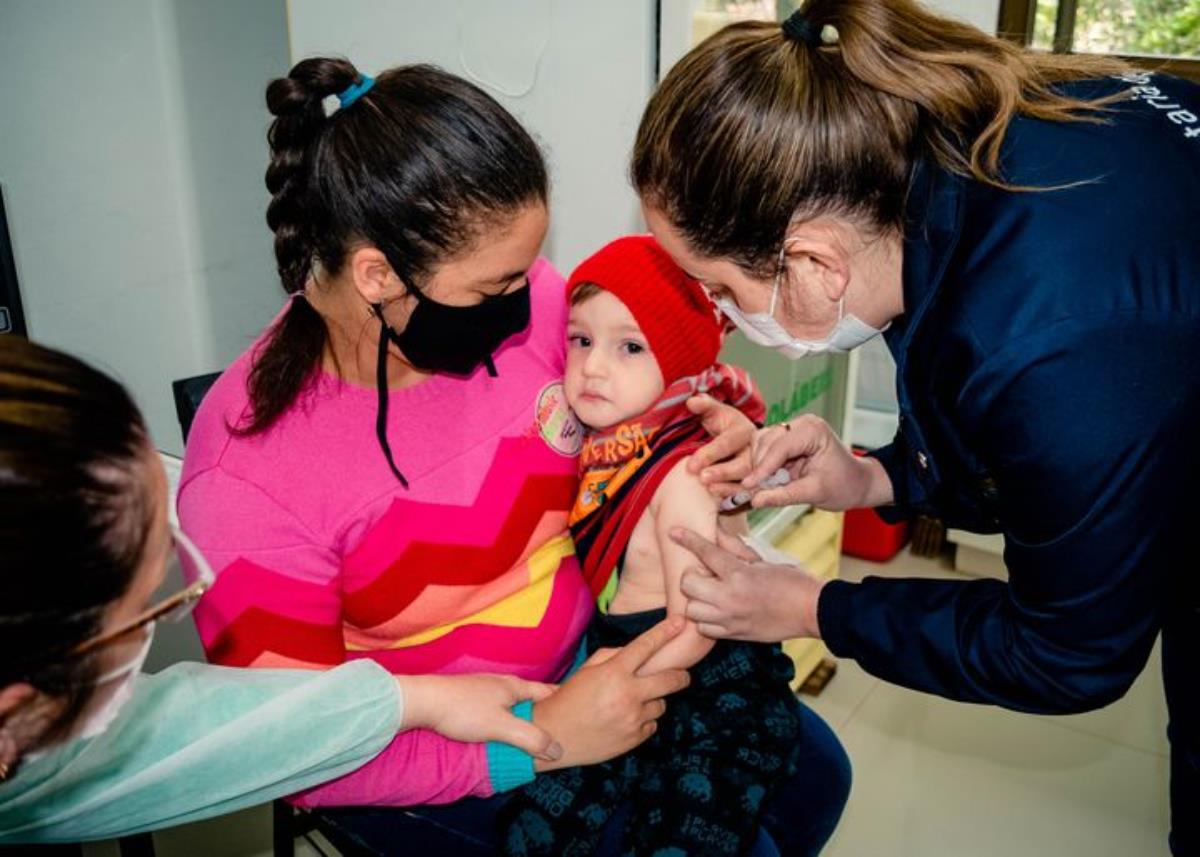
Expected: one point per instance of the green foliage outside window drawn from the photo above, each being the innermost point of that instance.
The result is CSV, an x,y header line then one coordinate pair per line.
x,y
1166,28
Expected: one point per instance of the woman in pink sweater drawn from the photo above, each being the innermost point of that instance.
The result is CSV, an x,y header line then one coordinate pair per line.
x,y
387,472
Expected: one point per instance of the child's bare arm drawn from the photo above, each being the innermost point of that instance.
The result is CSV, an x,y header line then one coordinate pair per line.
x,y
681,500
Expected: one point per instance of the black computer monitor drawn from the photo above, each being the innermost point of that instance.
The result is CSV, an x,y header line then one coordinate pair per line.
x,y
12,317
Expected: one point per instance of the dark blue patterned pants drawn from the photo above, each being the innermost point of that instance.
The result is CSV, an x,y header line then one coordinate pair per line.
x,y
698,786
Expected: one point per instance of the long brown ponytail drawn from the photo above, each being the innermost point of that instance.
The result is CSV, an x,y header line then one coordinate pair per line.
x,y
752,129
415,167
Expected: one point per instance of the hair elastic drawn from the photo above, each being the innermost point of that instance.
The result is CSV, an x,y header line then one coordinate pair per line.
x,y
355,91
799,29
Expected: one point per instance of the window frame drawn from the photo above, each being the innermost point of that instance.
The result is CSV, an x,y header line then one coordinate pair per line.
x,y
1017,21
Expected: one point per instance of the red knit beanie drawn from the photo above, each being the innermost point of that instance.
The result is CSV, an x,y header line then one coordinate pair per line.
x,y
680,323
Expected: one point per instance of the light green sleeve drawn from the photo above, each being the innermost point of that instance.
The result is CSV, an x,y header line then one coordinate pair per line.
x,y
196,741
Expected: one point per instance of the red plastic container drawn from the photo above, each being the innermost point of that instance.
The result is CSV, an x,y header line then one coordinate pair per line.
x,y
868,536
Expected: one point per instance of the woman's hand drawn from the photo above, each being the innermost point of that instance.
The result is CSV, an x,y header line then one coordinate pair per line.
x,y
824,471
606,708
725,460
738,596
476,709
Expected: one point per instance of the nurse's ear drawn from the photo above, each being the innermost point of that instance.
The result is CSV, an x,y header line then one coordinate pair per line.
x,y
817,254
372,276
14,699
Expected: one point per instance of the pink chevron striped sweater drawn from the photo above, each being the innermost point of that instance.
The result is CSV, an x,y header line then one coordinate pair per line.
x,y
323,557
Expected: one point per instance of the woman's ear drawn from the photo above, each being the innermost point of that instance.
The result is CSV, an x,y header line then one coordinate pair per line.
x,y
373,277
12,699
820,252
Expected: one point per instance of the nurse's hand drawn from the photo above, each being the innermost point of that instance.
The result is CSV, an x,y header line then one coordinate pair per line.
x,y
737,596
605,708
724,461
824,471
477,709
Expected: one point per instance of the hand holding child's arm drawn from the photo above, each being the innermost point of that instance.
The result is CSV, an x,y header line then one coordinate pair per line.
x,y
681,501
477,708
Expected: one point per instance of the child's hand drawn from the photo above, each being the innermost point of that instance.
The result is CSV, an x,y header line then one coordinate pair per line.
x,y
477,709
725,461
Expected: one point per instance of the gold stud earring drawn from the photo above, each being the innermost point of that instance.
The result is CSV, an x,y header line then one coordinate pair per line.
x,y
3,771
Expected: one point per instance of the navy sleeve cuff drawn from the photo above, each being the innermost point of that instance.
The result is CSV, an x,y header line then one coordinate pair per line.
x,y
892,457
833,607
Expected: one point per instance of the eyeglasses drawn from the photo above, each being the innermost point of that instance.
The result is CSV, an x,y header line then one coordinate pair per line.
x,y
174,608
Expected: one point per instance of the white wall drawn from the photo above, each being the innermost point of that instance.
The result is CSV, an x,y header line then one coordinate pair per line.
x,y
595,72
228,50
131,157
984,14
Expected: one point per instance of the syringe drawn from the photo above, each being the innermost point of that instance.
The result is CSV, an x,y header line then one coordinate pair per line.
x,y
741,498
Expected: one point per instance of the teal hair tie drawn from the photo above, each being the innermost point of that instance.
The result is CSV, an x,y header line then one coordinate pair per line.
x,y
355,91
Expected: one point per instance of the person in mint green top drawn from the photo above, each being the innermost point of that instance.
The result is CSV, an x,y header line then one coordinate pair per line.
x,y
89,747
219,739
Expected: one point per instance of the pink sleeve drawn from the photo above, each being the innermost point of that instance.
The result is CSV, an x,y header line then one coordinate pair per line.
x,y
276,601
418,767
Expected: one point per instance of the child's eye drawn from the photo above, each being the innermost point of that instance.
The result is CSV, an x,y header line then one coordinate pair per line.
x,y
579,340
631,347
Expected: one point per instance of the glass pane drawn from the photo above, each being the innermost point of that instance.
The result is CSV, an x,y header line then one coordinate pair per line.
x,y
1043,24
1168,28
1165,28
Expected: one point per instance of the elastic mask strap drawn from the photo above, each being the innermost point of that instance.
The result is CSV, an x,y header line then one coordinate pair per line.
x,y
779,270
381,384
491,367
774,295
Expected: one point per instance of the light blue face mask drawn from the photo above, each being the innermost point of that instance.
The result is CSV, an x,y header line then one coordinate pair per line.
x,y
761,328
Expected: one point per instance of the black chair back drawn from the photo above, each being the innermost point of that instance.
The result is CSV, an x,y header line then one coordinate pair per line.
x,y
188,394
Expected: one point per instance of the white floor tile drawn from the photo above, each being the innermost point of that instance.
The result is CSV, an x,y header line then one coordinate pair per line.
x,y
934,777
1138,720
903,564
843,695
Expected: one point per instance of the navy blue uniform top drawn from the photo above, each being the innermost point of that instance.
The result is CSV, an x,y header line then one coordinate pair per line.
x,y
1049,389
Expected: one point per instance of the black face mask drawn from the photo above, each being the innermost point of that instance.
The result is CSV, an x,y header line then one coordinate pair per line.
x,y
451,339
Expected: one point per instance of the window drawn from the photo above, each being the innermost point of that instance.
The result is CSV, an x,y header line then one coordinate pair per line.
x,y
1161,35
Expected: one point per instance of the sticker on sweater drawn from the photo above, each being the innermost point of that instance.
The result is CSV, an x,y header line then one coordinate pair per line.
x,y
556,421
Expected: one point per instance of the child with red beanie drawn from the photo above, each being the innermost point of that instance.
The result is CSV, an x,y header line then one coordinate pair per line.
x,y
642,338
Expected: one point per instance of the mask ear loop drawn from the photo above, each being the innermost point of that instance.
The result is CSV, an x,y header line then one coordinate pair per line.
x,y
381,385
779,276
779,269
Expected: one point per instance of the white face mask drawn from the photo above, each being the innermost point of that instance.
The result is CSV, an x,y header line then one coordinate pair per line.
x,y
99,720
761,328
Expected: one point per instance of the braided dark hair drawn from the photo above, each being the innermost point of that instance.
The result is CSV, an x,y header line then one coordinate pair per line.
x,y
417,167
